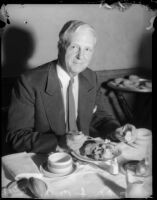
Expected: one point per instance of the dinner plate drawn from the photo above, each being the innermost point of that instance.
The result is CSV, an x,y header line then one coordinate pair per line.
x,y
83,158
130,88
86,159
44,170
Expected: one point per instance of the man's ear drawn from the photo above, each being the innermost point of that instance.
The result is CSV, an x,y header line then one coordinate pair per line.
x,y
60,50
61,46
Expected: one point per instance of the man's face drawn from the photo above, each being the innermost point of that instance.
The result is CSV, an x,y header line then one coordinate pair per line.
x,y
79,52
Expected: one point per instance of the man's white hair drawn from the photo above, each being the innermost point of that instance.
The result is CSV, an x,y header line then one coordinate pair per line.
x,y
69,28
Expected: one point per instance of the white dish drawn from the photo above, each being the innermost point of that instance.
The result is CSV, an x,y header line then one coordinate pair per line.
x,y
45,171
65,170
85,159
59,159
60,162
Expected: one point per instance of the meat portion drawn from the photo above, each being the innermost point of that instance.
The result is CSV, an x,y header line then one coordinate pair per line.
x,y
87,147
97,150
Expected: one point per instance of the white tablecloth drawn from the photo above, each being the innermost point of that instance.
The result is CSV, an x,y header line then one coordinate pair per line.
x,y
88,181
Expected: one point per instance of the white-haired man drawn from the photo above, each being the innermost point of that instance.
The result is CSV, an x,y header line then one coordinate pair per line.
x,y
59,96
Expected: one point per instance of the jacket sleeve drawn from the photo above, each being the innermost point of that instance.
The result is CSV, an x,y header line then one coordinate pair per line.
x,y
21,119
103,122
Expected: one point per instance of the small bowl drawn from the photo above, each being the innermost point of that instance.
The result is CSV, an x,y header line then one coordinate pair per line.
x,y
60,163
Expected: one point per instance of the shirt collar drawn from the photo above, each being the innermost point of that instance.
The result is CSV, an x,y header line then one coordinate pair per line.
x,y
63,76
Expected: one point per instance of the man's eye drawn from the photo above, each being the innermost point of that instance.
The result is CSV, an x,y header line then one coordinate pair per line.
x,y
73,47
88,49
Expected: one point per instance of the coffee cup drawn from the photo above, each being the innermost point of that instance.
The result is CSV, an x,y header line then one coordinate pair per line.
x,y
60,163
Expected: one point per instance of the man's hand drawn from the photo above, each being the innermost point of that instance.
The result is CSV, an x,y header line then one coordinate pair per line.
x,y
61,149
126,133
140,149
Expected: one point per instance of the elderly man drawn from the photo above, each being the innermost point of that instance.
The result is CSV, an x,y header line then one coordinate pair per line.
x,y
59,96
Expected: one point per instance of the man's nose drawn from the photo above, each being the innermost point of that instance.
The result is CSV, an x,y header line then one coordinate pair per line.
x,y
79,54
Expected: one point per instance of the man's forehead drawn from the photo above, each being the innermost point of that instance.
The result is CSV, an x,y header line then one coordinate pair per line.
x,y
85,33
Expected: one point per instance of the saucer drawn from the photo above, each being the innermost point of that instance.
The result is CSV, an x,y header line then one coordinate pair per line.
x,y
45,171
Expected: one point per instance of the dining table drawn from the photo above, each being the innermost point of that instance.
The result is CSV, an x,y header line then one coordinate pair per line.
x,y
87,180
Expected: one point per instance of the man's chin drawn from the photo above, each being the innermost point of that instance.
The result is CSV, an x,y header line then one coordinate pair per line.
x,y
78,72
74,73
78,69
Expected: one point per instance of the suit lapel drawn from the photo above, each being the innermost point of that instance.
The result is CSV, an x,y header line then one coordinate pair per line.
x,y
53,102
86,102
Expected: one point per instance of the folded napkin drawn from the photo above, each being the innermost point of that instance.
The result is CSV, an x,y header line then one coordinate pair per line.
x,y
18,163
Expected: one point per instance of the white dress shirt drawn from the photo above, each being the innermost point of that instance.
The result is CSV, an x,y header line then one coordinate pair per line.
x,y
64,80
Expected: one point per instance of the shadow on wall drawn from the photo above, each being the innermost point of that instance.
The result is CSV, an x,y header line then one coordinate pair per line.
x,y
144,55
18,46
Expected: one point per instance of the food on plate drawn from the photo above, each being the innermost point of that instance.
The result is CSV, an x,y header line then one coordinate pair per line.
x,y
128,83
75,140
88,147
133,82
98,150
118,80
134,78
148,84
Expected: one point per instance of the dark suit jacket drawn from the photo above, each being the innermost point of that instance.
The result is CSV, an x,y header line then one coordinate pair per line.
x,y
36,115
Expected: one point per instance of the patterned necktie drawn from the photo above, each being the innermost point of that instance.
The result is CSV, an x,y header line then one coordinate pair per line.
x,y
71,121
